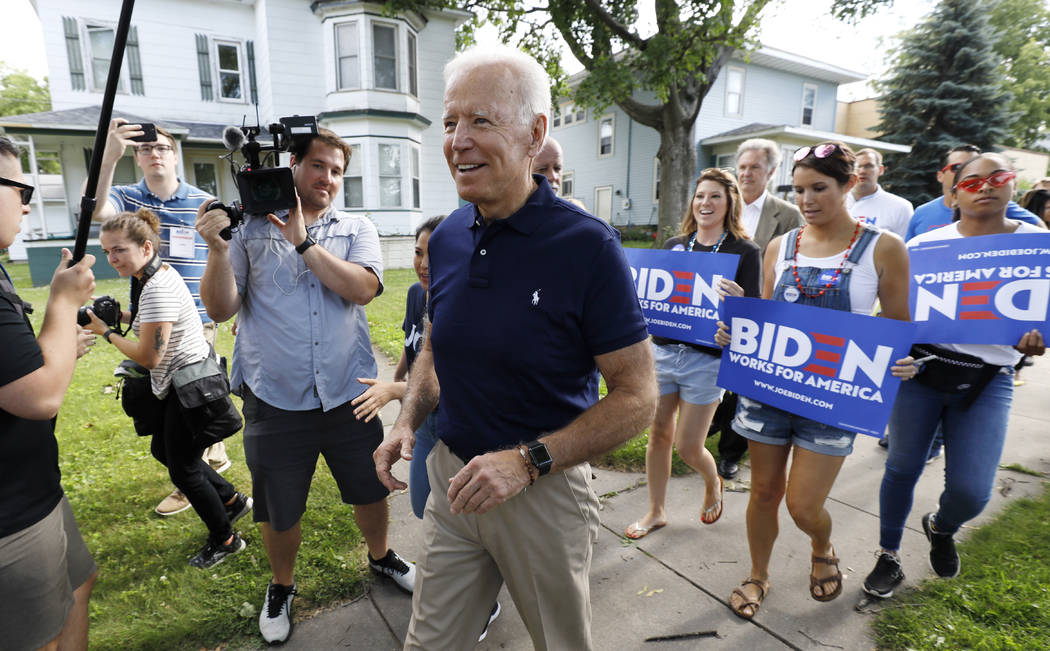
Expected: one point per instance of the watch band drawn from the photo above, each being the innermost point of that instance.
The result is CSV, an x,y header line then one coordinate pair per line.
x,y
106,334
305,244
539,457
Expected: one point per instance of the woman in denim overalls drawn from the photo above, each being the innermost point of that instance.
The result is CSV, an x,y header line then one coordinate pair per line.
x,y
833,262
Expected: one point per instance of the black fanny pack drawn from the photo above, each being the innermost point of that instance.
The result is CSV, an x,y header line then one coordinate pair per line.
x,y
137,399
953,372
203,391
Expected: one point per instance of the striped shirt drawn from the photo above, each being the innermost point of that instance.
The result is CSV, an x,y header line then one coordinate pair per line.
x,y
179,211
165,298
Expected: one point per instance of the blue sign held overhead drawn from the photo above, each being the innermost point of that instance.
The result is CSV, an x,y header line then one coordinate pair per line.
x,y
828,365
679,292
989,289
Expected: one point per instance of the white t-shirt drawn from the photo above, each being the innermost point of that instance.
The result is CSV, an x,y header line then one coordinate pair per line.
x,y
999,355
751,213
883,209
165,298
864,281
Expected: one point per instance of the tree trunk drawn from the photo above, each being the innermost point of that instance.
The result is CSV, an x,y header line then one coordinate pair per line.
x,y
677,173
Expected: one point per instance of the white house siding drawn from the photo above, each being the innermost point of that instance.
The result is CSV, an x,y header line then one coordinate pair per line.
x,y
297,62
438,189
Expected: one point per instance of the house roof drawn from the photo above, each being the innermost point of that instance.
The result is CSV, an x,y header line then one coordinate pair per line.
x,y
775,132
84,119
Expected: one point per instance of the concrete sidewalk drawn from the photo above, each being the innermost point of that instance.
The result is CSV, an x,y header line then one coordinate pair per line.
x,y
678,579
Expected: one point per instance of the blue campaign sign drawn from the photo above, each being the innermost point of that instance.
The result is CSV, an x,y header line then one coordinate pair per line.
x,y
827,365
989,289
678,291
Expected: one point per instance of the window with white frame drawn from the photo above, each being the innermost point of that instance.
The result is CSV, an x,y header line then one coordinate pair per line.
x,y
347,51
415,175
809,103
229,70
656,179
353,180
384,55
99,51
606,133
567,181
734,91
89,47
725,161
389,176
569,114
413,80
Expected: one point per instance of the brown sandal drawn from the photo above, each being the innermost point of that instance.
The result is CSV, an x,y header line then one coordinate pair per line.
x,y
755,604
823,583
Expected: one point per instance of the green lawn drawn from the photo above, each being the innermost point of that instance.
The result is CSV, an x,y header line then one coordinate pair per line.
x,y
1000,600
147,596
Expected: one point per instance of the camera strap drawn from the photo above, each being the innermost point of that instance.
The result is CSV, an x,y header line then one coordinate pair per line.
x,y
7,291
151,268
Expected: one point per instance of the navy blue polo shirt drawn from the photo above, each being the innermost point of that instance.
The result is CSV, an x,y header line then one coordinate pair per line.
x,y
519,309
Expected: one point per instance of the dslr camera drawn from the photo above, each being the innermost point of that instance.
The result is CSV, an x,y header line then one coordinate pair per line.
x,y
106,308
263,187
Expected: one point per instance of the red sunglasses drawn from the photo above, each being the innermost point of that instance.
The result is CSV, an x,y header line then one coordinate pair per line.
x,y
997,180
953,167
818,151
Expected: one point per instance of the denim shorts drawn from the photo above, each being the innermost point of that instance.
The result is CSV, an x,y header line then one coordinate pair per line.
x,y
686,371
759,422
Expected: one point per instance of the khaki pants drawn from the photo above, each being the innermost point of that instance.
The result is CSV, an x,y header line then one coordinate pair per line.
x,y
540,543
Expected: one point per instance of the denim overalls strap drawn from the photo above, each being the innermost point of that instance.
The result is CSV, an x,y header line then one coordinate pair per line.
x,y
814,279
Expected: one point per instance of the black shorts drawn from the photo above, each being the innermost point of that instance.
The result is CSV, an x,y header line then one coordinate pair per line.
x,y
281,448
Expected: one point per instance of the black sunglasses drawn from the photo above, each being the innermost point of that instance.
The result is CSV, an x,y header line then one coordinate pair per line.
x,y
26,190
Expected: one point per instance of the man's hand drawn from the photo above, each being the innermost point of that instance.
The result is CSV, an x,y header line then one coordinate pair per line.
x,y
294,227
397,445
85,340
119,139
1031,344
73,284
210,223
487,481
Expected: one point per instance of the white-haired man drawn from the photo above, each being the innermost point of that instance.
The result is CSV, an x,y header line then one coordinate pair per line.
x,y
869,203
549,163
521,289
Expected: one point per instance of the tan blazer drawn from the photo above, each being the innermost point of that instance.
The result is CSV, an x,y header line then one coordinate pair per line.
x,y
777,218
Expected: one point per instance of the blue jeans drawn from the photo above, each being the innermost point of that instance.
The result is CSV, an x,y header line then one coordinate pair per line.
x,y
418,482
973,444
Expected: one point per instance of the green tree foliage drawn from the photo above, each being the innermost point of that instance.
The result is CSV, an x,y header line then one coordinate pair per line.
x,y
658,80
1023,43
22,93
944,89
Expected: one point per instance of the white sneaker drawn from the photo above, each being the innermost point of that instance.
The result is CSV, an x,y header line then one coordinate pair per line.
x,y
496,610
401,571
275,618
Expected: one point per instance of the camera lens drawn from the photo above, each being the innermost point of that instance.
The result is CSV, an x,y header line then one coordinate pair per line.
x,y
266,190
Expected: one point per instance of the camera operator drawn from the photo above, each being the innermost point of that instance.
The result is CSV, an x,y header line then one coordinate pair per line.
x,y
46,570
176,203
298,283
170,337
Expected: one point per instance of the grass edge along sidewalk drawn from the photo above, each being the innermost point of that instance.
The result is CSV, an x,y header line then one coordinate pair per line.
x,y
1000,600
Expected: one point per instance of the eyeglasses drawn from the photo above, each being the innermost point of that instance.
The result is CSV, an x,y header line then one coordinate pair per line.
x,y
25,190
952,167
146,150
997,180
818,151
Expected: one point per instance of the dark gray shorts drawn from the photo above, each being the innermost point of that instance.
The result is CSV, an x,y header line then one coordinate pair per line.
x,y
281,448
40,567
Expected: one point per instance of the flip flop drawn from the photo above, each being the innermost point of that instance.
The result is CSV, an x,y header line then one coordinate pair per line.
x,y
745,602
823,583
636,531
716,508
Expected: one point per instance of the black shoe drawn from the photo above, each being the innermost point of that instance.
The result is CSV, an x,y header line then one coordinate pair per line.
x,y
212,553
727,469
240,507
886,576
392,565
496,610
944,560
884,442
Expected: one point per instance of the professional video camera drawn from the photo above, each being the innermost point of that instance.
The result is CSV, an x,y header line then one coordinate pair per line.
x,y
263,187
106,308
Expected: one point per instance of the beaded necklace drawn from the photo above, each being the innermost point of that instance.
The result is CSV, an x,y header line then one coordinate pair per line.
x,y
718,244
834,277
